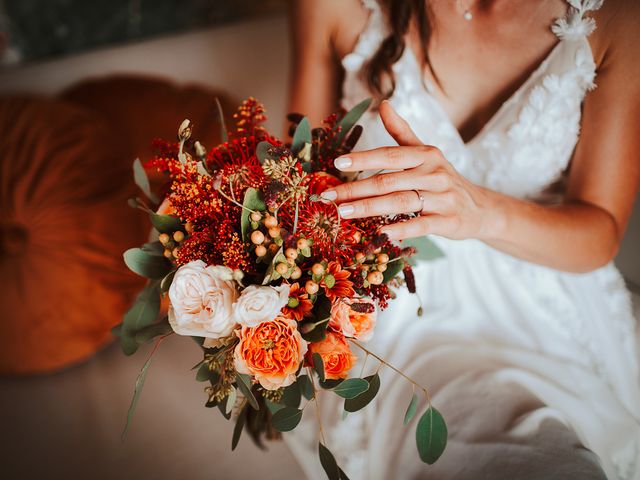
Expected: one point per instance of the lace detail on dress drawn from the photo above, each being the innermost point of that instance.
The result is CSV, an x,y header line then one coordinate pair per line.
x,y
575,24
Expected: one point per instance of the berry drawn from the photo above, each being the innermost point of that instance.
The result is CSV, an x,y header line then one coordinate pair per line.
x,y
257,237
270,221
282,268
311,287
178,236
317,269
261,251
375,278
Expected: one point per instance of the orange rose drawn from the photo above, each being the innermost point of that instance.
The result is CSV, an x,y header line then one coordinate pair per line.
x,y
336,355
351,322
271,352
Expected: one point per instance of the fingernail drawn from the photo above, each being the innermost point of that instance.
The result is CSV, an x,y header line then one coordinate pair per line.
x,y
346,209
342,162
329,195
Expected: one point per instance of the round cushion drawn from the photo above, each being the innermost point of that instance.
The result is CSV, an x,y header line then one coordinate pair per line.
x,y
64,182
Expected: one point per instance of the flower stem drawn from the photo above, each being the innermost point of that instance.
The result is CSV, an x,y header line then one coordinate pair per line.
x,y
315,399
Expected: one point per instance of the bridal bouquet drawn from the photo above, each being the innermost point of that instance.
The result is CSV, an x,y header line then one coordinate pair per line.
x,y
266,276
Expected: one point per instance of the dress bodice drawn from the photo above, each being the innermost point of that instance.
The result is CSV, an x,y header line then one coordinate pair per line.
x,y
527,145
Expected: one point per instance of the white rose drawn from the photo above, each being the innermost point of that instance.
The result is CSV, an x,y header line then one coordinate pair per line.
x,y
259,304
202,301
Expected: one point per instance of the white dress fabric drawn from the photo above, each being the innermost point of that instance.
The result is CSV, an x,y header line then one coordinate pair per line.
x,y
534,369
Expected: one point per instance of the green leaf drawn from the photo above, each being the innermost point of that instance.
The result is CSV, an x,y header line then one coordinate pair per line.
x,y
286,419
222,407
237,430
127,338
253,201
137,391
306,387
393,269
331,383
146,265
262,152
328,462
244,384
362,400
152,331
165,223
153,248
301,136
272,406
351,388
318,365
425,248
166,282
431,436
145,309
223,127
350,119
142,181
291,395
329,281
411,409
203,374
231,400
318,333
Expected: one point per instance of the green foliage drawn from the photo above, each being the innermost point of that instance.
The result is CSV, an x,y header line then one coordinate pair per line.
x,y
237,430
253,201
166,282
165,223
291,396
139,323
425,248
145,264
431,436
328,462
329,281
152,331
411,409
286,419
393,269
318,365
243,381
231,400
350,119
322,311
142,181
306,387
301,136
351,388
262,151
362,400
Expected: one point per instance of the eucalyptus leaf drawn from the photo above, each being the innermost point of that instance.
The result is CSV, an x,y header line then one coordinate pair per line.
x,y
152,331
393,269
301,136
204,373
127,338
153,248
291,396
145,309
237,430
272,406
331,383
328,462
253,201
166,282
165,223
318,333
347,122
286,419
431,436
411,409
362,400
306,387
243,382
426,249
231,400
145,264
142,181
318,365
223,410
351,388
262,151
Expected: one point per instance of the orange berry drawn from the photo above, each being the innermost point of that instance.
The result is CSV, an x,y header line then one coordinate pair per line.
x,y
178,236
317,269
291,253
274,232
175,252
296,274
164,238
188,227
256,216
311,287
302,243
375,278
383,258
261,251
167,253
270,221
360,257
382,267
257,237
357,237
282,268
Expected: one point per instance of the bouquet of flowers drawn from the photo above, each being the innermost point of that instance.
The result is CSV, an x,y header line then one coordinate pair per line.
x,y
266,276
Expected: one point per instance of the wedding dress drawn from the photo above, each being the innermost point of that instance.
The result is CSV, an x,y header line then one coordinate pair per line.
x,y
534,369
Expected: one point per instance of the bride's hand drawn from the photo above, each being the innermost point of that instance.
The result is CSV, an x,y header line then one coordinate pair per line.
x,y
424,182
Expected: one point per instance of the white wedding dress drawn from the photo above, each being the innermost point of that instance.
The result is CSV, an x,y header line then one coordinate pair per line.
x,y
534,369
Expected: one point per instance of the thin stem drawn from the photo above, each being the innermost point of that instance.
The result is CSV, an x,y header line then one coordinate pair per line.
x,y
315,399
399,372
219,190
295,218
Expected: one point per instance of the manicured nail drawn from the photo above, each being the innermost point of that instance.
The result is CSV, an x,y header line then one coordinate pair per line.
x,y
346,209
342,162
329,195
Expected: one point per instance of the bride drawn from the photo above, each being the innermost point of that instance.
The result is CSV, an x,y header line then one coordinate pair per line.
x,y
517,124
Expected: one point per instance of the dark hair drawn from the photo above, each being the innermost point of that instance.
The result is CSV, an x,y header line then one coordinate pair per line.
x,y
378,70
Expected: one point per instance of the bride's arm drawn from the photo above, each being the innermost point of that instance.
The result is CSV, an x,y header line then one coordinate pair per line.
x,y
580,235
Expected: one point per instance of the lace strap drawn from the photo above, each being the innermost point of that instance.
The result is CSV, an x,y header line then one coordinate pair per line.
x,y
575,24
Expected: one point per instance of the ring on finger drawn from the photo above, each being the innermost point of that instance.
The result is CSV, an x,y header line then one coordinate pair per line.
x,y
421,198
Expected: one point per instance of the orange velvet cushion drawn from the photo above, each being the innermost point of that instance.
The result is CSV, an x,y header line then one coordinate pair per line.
x,y
64,181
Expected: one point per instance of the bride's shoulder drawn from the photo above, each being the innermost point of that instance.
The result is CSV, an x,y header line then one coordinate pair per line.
x,y
617,36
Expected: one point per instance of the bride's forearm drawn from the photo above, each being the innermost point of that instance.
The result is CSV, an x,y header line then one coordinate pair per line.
x,y
575,237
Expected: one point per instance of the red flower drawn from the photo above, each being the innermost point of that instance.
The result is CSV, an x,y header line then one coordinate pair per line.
x,y
299,298
342,287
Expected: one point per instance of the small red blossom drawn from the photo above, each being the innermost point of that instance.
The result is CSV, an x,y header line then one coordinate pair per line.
x,y
342,288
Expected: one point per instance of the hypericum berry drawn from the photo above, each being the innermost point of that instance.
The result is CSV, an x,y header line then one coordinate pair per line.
x,y
188,227
282,268
178,236
311,287
375,278
382,267
383,258
274,232
257,237
296,274
261,251
167,253
357,237
164,238
291,253
256,216
317,269
377,250
273,248
360,257
175,252
270,221
302,243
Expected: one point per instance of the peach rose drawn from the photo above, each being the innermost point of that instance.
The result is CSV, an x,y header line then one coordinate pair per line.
x,y
336,355
271,352
354,323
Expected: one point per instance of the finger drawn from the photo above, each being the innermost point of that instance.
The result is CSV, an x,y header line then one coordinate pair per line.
x,y
396,203
389,158
384,183
397,126
420,226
